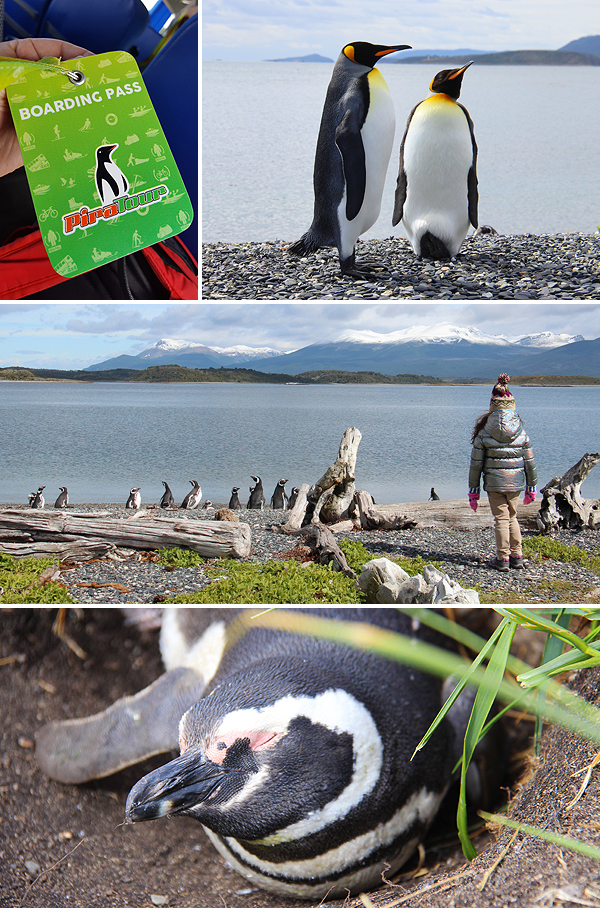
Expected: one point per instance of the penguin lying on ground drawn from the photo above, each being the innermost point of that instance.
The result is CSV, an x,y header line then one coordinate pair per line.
x,y
295,752
353,152
234,502
193,497
38,499
279,499
257,498
63,499
167,500
436,193
134,502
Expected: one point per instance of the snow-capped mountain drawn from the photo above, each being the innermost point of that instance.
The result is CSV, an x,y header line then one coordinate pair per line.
x,y
168,351
239,352
444,333
547,340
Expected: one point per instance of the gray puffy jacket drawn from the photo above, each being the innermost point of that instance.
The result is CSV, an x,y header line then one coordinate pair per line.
x,y
503,453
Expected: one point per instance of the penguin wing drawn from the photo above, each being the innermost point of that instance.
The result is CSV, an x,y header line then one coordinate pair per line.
x,y
106,177
349,141
472,190
401,183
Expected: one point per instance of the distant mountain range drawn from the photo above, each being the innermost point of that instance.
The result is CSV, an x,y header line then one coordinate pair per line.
x,y
443,351
580,52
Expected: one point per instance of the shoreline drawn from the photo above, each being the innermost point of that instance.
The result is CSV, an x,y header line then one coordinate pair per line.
x,y
491,266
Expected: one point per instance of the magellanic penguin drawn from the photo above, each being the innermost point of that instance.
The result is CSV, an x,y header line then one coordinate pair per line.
x,y
293,497
433,495
279,499
134,502
296,752
38,499
63,499
353,152
436,192
167,500
257,498
193,497
234,502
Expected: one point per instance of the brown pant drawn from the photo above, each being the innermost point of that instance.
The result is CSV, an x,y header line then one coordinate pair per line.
x,y
503,506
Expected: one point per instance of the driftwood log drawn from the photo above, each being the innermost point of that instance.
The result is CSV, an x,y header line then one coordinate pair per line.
x,y
562,503
210,538
371,518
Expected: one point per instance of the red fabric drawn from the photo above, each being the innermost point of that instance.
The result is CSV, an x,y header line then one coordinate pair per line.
x,y
25,269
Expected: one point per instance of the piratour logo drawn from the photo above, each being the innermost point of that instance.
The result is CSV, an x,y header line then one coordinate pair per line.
x,y
113,191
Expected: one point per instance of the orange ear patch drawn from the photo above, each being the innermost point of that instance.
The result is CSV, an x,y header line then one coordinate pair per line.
x,y
349,52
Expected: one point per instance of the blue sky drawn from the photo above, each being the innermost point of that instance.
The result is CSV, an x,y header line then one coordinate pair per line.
x,y
267,29
74,335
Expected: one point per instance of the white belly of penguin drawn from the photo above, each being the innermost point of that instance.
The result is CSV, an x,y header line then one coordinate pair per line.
x,y
324,874
377,136
438,154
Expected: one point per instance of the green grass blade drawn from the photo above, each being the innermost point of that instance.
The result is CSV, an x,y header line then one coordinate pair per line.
x,y
563,841
486,696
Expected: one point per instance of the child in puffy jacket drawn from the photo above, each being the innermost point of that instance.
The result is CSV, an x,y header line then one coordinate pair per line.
x,y
503,453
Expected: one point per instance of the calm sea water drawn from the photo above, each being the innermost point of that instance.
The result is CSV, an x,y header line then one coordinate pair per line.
x,y
536,127
100,440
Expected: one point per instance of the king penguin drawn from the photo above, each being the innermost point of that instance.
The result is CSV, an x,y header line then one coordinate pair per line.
x,y
353,152
111,182
297,753
436,193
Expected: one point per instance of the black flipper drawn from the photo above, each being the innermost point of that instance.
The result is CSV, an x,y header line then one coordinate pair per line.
x,y
472,190
401,184
349,141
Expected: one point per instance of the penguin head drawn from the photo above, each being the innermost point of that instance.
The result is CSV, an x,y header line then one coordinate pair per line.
x,y
104,152
449,81
366,54
272,754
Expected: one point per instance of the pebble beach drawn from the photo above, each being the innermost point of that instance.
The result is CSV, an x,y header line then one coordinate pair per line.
x,y
138,578
488,267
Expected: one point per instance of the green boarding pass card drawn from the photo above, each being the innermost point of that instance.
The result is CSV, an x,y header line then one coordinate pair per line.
x,y
103,180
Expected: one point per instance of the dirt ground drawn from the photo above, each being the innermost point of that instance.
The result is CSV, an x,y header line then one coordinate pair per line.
x,y
66,846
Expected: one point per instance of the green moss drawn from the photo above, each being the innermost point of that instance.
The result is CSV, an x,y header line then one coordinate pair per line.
x,y
20,581
357,556
183,558
274,583
538,547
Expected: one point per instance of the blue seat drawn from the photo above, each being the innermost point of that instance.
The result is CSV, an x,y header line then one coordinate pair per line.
x,y
172,82
97,25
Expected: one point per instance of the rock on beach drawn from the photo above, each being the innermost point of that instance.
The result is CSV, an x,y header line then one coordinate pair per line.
x,y
488,267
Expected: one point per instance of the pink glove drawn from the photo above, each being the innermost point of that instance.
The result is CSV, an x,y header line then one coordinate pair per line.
x,y
473,499
529,497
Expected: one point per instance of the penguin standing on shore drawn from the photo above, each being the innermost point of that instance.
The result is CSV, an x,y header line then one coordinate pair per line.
x,y
134,502
294,495
433,495
234,502
353,152
63,499
38,499
167,500
279,499
193,497
257,499
436,193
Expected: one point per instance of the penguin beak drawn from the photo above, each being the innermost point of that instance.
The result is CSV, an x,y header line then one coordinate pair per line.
x,y
459,72
392,50
174,787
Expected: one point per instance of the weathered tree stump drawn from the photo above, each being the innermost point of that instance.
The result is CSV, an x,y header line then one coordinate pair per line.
x,y
332,493
322,541
210,538
562,503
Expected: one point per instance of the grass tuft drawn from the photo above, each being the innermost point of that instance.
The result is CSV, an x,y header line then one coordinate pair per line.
x,y
20,581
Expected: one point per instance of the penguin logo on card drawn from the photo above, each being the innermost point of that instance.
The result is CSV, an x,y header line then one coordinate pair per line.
x,y
111,182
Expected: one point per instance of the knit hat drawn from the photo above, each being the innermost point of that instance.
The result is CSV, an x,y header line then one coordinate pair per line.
x,y
502,399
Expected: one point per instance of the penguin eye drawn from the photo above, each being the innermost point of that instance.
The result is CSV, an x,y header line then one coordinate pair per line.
x,y
221,745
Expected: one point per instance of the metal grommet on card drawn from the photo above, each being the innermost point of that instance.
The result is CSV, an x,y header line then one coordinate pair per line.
x,y
76,77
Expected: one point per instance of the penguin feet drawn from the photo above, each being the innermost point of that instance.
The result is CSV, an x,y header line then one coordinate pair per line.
x,y
360,271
